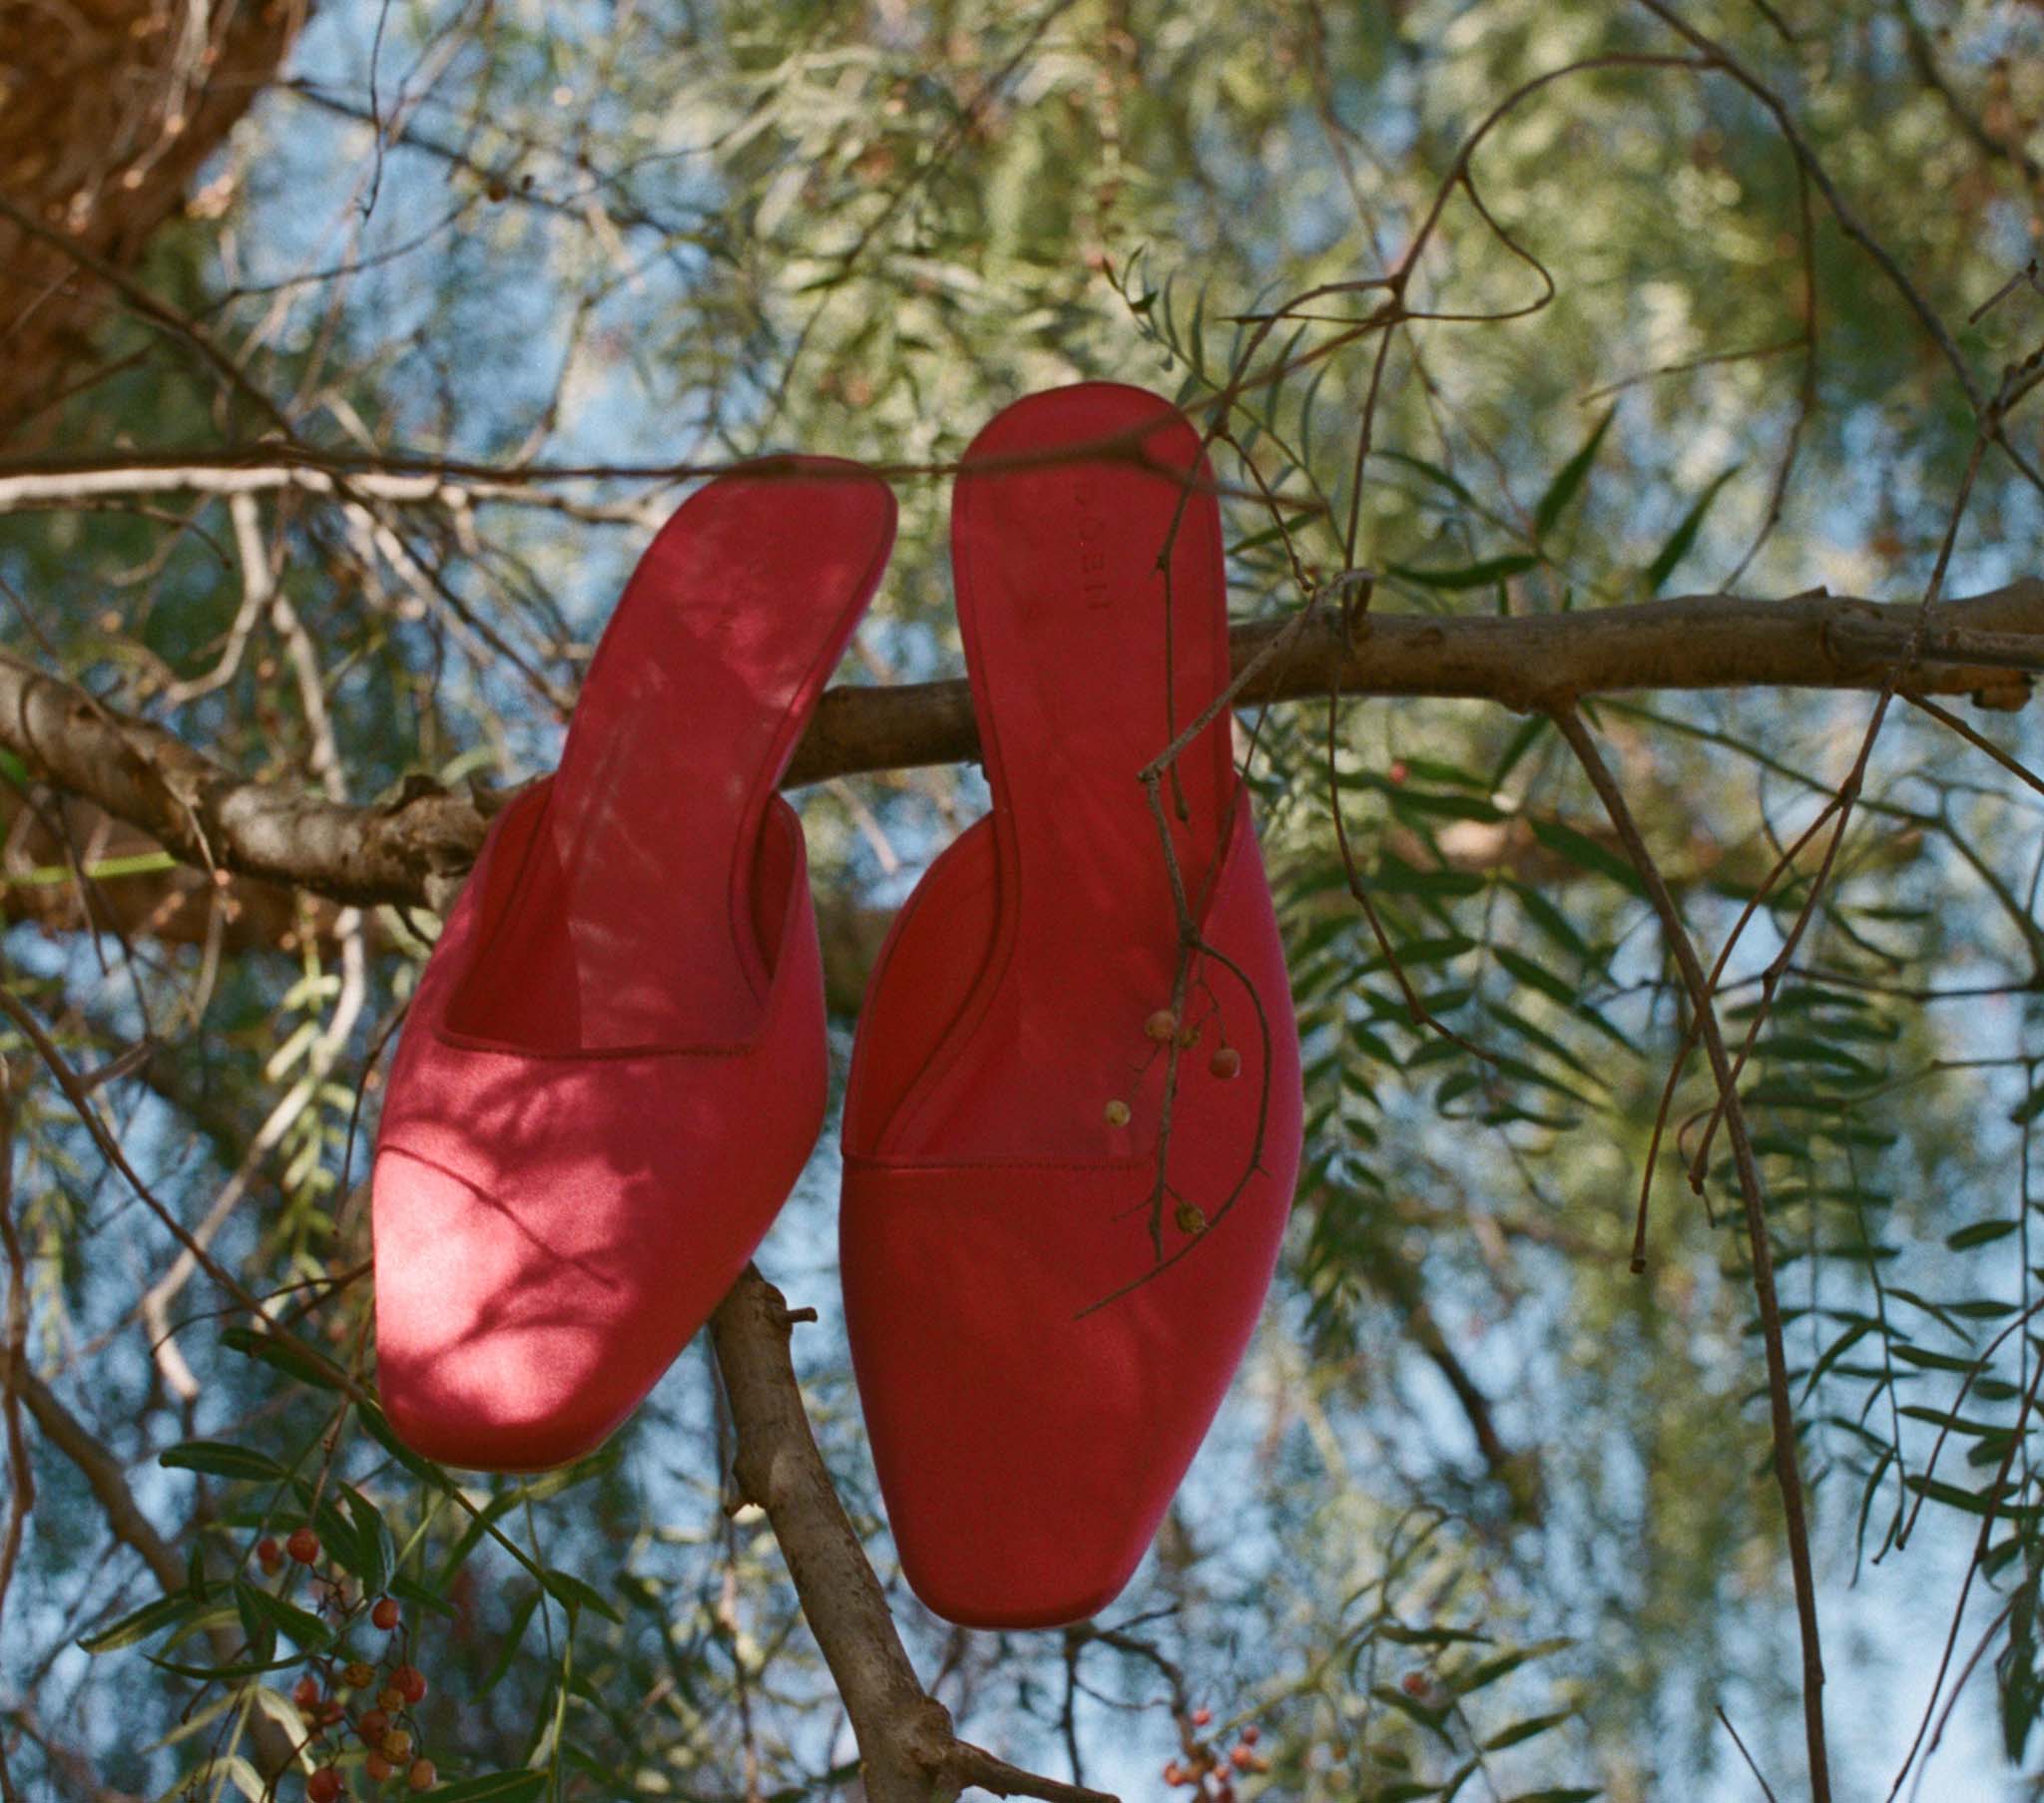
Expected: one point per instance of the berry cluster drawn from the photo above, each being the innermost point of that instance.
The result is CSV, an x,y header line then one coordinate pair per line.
x,y
1162,1028
378,1713
1205,1768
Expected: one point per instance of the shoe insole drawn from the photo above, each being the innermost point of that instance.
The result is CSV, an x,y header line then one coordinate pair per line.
x,y
1092,596
626,920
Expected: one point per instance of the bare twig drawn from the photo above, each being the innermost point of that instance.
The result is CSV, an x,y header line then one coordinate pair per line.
x,y
1767,1789
14,1353
1788,1474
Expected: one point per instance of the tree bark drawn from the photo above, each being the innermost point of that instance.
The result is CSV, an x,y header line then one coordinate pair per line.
x,y
907,1751
415,848
107,109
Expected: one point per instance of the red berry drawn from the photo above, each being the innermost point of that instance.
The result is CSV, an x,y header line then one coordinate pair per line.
x,y
1399,772
377,1767
323,1785
305,1694
372,1725
1415,1683
268,1555
1241,1759
303,1545
411,1682
1251,1734
385,1615
1225,1063
421,1775
1202,1717
1173,1773
1162,1026
333,1710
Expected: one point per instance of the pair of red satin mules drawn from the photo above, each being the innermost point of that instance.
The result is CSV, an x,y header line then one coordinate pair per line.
x,y
614,1067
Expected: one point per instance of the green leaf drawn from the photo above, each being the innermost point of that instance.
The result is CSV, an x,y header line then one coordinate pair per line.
x,y
410,1589
1979,1235
1431,471
1563,489
1507,1663
1431,802
1551,921
231,1673
1957,1424
337,1531
1970,1502
1280,529
1835,1352
1934,1361
282,1355
1417,954
304,1628
217,1459
1471,575
1523,736
147,1620
1393,876
1581,850
1403,1635
1525,1730
1556,989
247,1780
257,1628
577,1594
1433,1721
1684,533
493,1787
378,1546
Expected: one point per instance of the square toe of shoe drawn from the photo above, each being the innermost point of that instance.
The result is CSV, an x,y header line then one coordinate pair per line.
x,y
1028,1442
976,1593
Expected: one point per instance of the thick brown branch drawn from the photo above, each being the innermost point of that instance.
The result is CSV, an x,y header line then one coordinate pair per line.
x,y
103,1473
416,849
906,1743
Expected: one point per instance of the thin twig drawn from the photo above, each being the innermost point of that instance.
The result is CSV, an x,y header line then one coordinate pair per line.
x,y
1767,1789
1788,1474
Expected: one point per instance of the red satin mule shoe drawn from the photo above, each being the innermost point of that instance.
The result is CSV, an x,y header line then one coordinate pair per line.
x,y
613,1067
1041,1339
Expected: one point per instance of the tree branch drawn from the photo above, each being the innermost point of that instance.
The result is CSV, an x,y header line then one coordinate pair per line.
x,y
1752,1196
908,1751
109,1485
416,848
